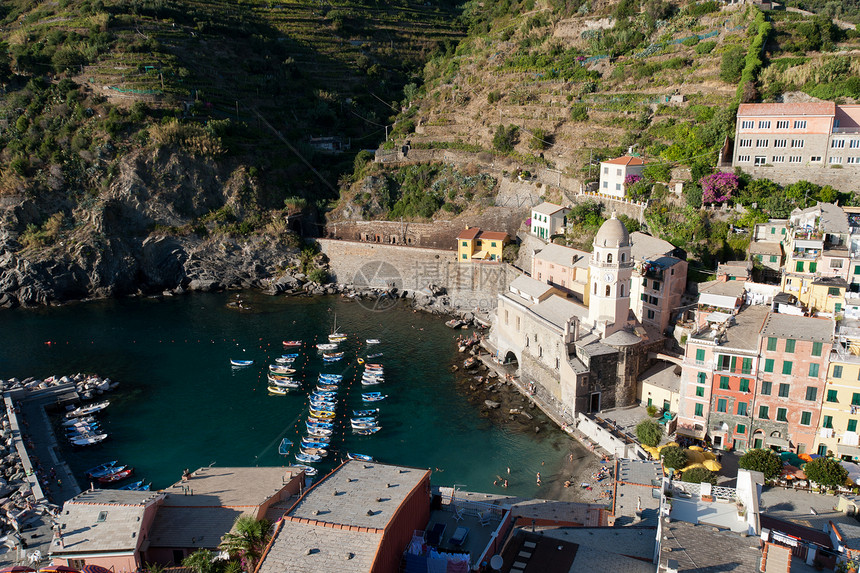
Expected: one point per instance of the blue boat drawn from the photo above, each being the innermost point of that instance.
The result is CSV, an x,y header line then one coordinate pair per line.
x,y
133,486
363,420
307,458
320,445
372,412
102,470
377,355
325,425
373,397
284,448
241,363
325,376
309,471
362,457
106,472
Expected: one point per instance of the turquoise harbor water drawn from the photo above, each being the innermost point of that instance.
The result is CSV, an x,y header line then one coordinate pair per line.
x,y
180,404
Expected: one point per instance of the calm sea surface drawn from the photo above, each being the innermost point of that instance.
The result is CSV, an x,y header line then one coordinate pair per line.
x,y
180,404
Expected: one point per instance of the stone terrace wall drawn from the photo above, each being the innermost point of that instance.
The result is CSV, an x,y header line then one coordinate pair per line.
x,y
469,286
844,179
632,209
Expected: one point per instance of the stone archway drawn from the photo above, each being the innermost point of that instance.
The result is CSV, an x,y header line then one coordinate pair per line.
x,y
511,359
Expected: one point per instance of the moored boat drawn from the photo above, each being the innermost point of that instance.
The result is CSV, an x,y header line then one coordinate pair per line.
x,y
79,420
309,471
278,390
373,397
373,366
366,431
292,343
336,337
115,477
362,457
321,452
103,469
371,381
326,346
363,420
278,369
284,447
376,355
286,383
371,412
373,341
322,414
240,363
284,360
320,432
136,486
88,440
87,410
305,458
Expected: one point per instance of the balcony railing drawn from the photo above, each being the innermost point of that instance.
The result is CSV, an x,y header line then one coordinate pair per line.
x,y
804,235
846,130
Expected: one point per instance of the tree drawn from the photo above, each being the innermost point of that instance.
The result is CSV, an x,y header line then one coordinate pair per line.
x,y
699,475
200,561
506,137
649,432
246,540
826,471
673,457
764,461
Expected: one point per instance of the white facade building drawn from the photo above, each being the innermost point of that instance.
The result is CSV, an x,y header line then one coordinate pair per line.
x,y
614,171
548,219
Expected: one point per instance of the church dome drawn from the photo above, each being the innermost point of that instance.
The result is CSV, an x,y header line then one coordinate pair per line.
x,y
612,233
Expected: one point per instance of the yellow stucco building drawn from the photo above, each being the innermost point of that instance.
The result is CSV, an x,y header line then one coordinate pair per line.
x,y
840,411
473,244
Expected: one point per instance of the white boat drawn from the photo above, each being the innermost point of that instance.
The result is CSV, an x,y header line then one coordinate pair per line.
x,y
88,440
373,341
284,382
87,410
326,346
79,421
336,336
309,471
240,363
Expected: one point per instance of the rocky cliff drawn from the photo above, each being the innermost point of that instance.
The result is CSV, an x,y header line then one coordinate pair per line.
x,y
166,221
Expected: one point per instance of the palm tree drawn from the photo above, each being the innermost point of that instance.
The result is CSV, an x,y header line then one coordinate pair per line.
x,y
247,539
200,561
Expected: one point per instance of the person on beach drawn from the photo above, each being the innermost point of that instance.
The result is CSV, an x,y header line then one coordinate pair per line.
x,y
538,478
505,484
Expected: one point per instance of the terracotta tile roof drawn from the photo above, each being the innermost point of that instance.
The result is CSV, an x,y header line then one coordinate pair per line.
x,y
493,235
788,109
469,233
626,160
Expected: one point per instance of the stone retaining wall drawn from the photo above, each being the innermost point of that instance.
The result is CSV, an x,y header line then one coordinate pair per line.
x,y
607,440
843,179
469,286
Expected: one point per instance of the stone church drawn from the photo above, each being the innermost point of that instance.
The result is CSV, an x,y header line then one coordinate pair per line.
x,y
588,358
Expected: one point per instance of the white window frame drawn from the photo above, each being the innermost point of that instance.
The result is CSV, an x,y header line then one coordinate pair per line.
x,y
782,124
780,143
799,124
837,144
745,143
853,160
778,159
747,124
797,143
761,143
815,159
835,160
759,160
764,124
743,158
795,159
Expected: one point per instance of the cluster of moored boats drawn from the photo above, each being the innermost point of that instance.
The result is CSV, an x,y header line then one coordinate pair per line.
x,y
81,426
114,472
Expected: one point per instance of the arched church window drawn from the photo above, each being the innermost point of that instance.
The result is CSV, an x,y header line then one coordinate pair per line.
x,y
607,290
609,258
623,257
595,287
621,292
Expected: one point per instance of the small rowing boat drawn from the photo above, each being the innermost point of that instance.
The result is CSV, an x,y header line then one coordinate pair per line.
x,y
277,390
103,469
88,440
363,420
118,476
136,486
336,337
366,431
373,341
76,421
292,343
280,369
308,459
322,414
309,471
376,355
320,432
361,457
284,447
321,452
373,366
332,377
372,412
326,346
332,355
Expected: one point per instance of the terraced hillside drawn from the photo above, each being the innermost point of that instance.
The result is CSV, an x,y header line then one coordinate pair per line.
x,y
334,69
575,81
